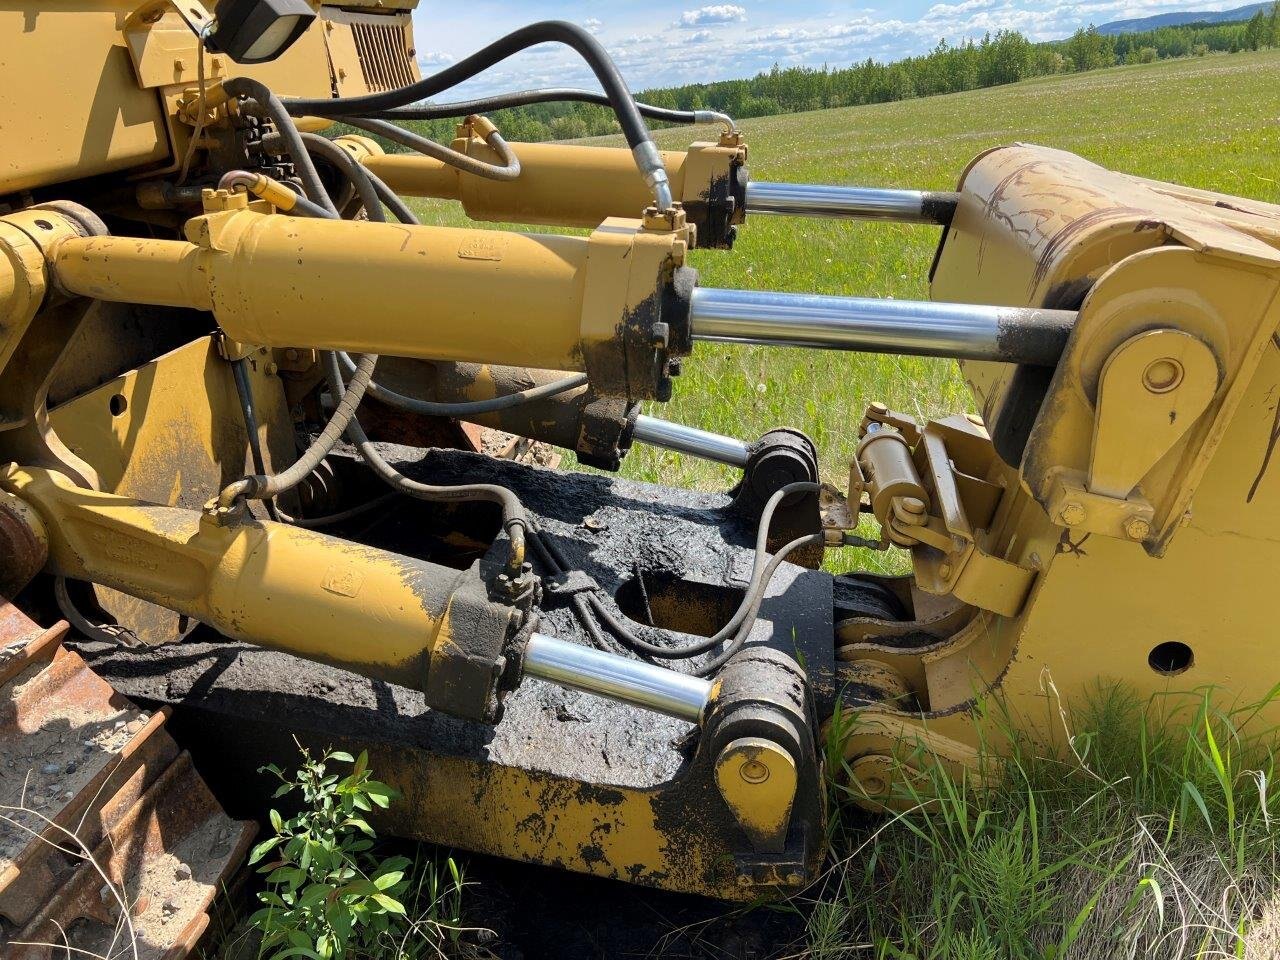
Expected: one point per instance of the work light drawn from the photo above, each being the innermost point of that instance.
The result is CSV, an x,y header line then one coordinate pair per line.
x,y
257,31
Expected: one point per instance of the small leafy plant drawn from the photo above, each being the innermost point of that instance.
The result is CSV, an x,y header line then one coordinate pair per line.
x,y
328,897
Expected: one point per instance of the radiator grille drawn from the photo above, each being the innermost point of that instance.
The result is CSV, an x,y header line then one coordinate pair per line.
x,y
385,58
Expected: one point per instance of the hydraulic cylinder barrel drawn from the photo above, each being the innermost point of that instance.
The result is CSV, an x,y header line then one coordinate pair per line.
x,y
609,305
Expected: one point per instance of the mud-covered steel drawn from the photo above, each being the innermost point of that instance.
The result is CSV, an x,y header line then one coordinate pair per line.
x,y
850,203
691,440
618,678
920,328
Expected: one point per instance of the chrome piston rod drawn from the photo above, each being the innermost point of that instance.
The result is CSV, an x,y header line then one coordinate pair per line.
x,y
919,328
691,440
850,203
618,678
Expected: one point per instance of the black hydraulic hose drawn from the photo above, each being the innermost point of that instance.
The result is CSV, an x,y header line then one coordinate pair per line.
x,y
470,408
509,170
288,130
524,98
367,185
514,520
240,373
734,633
314,143
249,410
266,487
359,178
713,666
548,31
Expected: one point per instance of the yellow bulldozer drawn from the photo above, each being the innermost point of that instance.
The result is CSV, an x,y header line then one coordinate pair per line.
x,y
265,468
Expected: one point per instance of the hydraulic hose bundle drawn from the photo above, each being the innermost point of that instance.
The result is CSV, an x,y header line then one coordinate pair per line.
x,y
551,31
371,113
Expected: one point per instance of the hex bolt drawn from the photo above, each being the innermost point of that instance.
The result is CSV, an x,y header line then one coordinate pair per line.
x,y
1073,513
1137,529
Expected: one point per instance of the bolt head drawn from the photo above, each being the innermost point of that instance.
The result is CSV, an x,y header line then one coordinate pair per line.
x,y
1137,529
754,771
1073,513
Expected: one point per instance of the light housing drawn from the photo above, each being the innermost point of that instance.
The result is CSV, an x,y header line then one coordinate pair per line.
x,y
258,31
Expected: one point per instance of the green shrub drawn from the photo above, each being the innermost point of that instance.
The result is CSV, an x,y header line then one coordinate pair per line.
x,y
328,895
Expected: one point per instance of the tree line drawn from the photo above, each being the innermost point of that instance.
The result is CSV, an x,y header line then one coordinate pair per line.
x,y
996,59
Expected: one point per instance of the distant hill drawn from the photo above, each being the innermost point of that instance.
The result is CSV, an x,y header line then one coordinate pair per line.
x,y
1177,19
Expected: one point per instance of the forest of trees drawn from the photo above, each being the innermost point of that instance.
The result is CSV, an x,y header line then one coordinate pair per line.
x,y
1004,57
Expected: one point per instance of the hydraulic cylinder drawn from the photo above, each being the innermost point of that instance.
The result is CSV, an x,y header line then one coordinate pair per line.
x,y
571,185
379,614
613,305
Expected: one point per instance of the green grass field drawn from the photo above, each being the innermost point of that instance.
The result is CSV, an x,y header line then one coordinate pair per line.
x,y
1152,846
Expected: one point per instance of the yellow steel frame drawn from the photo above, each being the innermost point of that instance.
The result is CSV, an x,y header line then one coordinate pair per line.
x,y
1144,510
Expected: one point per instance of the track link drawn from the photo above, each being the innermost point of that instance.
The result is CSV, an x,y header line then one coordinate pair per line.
x,y
110,842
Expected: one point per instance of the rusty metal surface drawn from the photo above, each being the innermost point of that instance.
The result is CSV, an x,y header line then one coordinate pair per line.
x,y
22,544
107,833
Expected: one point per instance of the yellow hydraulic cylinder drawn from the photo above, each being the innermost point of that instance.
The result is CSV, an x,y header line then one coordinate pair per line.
x,y
376,613
607,305
571,185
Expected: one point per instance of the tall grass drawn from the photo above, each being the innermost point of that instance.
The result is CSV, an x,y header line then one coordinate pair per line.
x,y
1154,836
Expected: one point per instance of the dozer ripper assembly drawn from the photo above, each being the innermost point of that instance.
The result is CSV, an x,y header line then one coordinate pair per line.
x,y
254,426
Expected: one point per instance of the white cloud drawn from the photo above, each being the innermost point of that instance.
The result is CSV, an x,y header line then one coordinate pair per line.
x,y
716,13
435,58
593,24
725,40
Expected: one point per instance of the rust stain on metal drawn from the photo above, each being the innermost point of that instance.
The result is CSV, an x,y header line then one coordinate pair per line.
x,y
107,793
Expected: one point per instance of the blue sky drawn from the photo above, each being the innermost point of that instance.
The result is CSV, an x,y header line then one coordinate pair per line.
x,y
660,42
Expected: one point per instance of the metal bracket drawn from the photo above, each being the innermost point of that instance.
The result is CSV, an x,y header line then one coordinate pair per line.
x,y
1153,389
